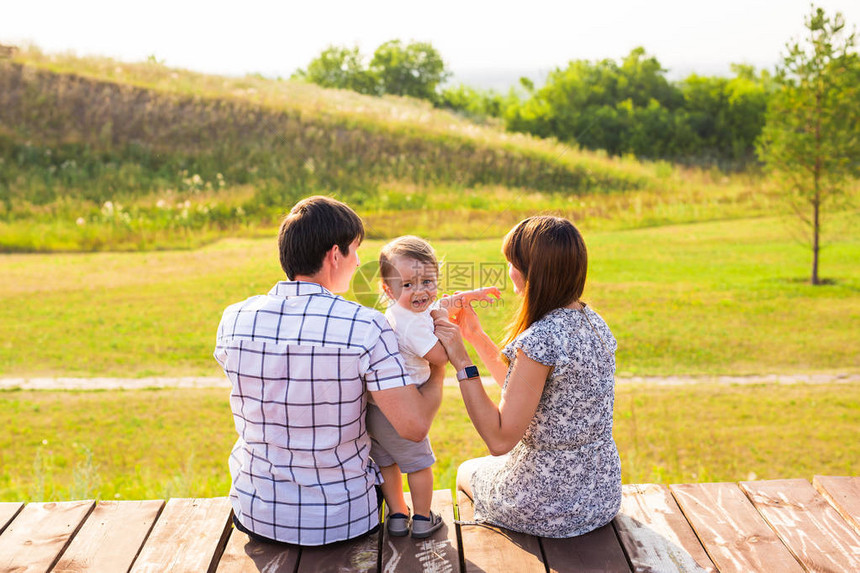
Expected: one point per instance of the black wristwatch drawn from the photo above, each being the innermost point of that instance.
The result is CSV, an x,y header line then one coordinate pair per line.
x,y
467,372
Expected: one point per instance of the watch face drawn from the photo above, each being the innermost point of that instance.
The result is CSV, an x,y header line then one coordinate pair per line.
x,y
467,372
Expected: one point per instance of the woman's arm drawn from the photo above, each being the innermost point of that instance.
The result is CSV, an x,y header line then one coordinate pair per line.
x,y
502,426
470,326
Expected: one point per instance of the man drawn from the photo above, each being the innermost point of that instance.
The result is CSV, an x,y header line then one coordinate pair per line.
x,y
302,361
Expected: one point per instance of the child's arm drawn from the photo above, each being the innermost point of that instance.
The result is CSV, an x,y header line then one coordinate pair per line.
x,y
452,303
437,355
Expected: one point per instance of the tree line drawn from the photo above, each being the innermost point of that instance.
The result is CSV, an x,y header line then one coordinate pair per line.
x,y
626,107
801,124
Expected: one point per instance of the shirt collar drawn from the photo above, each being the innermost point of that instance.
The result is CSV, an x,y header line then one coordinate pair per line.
x,y
287,289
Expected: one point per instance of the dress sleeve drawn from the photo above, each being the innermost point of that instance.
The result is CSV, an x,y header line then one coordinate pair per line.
x,y
539,342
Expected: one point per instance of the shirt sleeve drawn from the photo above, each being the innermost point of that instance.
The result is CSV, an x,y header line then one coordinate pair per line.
x,y
220,353
539,343
384,366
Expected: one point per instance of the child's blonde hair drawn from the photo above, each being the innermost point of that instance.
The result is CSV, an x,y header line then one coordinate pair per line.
x,y
405,246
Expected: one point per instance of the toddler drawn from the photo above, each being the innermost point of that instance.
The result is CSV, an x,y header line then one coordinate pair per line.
x,y
409,273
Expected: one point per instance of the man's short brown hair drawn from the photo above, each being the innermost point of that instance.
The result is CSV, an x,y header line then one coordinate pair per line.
x,y
311,229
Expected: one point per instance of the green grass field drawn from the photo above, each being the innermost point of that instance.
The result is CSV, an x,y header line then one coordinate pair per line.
x,y
710,298
175,443
692,269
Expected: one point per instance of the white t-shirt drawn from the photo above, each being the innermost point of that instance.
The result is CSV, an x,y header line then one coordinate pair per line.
x,y
415,338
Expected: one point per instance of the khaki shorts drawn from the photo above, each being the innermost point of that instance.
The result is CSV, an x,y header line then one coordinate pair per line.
x,y
387,447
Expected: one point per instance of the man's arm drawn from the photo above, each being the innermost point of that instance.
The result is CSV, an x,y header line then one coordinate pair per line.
x,y
411,409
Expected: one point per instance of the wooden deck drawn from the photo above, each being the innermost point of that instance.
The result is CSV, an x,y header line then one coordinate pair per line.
x,y
779,525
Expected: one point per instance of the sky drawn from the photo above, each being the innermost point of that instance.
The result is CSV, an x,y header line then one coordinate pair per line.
x,y
486,42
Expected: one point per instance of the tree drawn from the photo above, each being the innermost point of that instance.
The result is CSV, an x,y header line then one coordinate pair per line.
x,y
747,97
598,104
340,67
475,103
726,114
811,138
416,69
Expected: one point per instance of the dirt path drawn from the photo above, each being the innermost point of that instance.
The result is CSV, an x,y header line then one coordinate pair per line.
x,y
221,382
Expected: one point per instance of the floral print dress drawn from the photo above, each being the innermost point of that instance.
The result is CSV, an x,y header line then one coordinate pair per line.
x,y
564,476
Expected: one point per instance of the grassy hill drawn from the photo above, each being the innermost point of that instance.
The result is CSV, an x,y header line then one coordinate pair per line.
x,y
98,154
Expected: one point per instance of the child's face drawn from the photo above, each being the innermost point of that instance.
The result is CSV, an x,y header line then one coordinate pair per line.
x,y
415,285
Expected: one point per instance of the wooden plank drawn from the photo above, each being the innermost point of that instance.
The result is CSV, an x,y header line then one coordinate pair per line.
x,y
242,555
731,530
111,537
655,534
39,535
598,550
358,555
361,555
8,511
188,536
843,493
810,527
490,548
437,553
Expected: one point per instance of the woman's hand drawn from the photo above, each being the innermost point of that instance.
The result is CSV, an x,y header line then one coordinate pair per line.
x,y
469,323
450,337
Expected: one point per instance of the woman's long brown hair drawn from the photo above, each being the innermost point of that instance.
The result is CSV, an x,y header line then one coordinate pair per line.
x,y
550,253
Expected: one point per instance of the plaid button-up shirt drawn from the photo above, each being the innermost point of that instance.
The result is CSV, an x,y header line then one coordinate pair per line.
x,y
301,361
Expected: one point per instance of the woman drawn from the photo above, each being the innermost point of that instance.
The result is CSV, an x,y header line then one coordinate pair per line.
x,y
555,470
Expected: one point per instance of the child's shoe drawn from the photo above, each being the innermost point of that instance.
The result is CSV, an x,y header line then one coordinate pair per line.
x,y
398,524
425,526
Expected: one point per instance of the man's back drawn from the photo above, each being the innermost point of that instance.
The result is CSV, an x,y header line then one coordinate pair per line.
x,y
300,360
